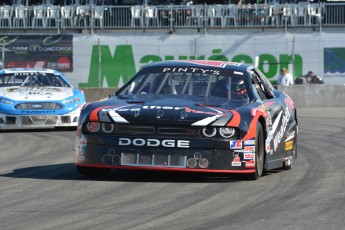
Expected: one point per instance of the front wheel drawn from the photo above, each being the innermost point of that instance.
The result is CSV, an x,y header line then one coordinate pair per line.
x,y
259,153
93,172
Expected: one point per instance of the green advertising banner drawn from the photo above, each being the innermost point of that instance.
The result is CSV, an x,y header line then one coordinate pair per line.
x,y
37,51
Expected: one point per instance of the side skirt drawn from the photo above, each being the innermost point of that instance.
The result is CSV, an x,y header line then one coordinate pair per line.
x,y
277,163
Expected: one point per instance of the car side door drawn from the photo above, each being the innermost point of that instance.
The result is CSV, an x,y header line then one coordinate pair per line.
x,y
274,119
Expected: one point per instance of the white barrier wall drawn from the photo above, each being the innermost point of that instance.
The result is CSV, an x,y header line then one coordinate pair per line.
x,y
110,60
302,95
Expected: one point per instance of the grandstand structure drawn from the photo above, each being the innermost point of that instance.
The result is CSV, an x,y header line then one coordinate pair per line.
x,y
95,18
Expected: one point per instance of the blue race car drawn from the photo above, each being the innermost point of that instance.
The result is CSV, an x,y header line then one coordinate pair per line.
x,y
38,98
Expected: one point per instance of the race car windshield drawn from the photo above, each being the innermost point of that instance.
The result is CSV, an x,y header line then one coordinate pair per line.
x,y
36,79
192,84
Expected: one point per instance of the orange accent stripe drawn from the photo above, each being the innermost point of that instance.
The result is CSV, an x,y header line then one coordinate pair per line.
x,y
252,127
236,119
94,113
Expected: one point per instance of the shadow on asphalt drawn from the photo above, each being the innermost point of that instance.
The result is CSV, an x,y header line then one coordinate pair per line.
x,y
59,129
67,171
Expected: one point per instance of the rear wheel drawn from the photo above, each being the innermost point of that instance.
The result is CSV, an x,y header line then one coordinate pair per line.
x,y
93,172
259,153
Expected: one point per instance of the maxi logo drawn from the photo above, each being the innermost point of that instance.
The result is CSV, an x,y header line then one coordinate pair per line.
x,y
278,137
154,143
114,68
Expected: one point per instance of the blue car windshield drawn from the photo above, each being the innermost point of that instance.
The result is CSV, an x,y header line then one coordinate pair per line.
x,y
36,79
192,84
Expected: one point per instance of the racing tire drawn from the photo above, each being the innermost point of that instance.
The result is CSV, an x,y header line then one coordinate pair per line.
x,y
294,152
93,172
259,153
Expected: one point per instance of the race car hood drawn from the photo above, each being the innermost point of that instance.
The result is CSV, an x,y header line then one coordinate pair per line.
x,y
162,110
36,93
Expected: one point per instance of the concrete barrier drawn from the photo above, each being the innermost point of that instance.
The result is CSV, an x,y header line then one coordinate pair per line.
x,y
303,95
316,95
96,94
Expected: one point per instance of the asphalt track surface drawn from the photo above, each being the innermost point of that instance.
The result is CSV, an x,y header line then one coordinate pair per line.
x,y
40,188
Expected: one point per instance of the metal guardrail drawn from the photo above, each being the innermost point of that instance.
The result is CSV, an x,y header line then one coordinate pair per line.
x,y
92,17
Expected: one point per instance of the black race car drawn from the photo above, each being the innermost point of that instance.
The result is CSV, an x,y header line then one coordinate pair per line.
x,y
192,116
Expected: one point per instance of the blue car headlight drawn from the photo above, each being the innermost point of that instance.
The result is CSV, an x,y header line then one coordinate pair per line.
x,y
6,101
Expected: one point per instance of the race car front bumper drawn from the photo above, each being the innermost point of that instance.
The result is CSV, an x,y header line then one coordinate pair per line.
x,y
95,151
38,121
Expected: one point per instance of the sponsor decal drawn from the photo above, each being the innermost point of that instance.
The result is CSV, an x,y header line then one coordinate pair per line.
x,y
267,115
236,161
154,143
248,156
191,70
36,51
50,40
289,103
235,144
278,136
123,59
249,148
250,164
268,146
160,114
83,140
163,107
34,90
290,136
288,145
184,115
249,142
82,148
188,110
38,111
122,110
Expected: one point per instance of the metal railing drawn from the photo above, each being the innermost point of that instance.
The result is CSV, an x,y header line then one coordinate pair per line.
x,y
92,17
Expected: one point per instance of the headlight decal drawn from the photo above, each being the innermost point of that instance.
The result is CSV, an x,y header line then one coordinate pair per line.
x,y
71,100
93,127
6,101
